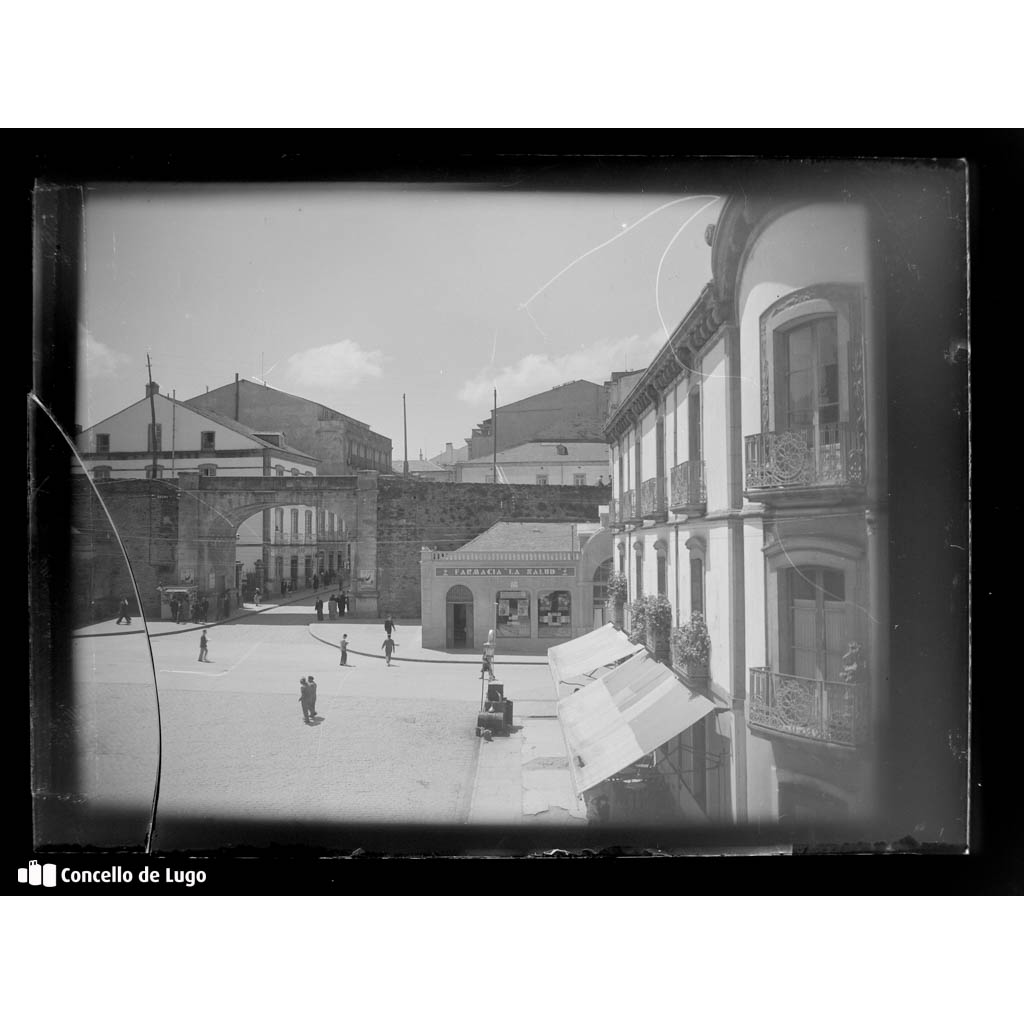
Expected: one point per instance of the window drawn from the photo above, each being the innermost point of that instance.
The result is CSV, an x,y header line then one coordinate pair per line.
x,y
295,472
154,472
662,575
815,621
697,585
321,518
513,613
693,440
278,567
579,479
561,449
279,521
294,568
102,444
207,440
295,521
807,375
279,471
209,469
639,575
542,478
154,437
554,613
101,473
308,523
601,574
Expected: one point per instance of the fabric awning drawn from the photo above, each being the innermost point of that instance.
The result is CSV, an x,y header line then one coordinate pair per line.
x,y
580,657
619,718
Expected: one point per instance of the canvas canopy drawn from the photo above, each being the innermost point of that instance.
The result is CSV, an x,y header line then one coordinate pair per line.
x,y
626,714
575,661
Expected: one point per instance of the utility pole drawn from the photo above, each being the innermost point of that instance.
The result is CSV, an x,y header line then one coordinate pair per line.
x,y
494,433
405,435
154,446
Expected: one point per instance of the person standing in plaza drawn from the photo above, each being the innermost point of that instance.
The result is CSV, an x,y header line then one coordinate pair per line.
x,y
388,646
304,699
319,606
203,647
257,595
342,603
344,650
122,613
389,624
312,696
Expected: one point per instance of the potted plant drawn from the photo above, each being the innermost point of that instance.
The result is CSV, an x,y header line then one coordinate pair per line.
x,y
618,588
691,648
658,623
638,622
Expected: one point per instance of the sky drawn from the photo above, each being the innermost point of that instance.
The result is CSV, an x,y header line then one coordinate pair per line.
x,y
353,295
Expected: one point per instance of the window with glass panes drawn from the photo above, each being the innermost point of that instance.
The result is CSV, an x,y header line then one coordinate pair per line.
x,y
807,375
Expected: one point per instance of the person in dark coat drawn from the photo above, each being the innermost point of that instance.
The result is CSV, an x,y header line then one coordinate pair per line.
x,y
312,696
389,624
344,649
304,699
319,606
203,647
342,603
122,613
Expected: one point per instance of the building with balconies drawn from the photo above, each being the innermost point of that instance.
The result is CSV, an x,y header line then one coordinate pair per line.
x,y
749,483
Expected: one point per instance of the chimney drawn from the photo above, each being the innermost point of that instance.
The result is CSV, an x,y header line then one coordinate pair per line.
x,y
152,388
449,454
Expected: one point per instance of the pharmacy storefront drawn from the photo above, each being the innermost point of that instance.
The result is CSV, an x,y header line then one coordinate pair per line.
x,y
531,599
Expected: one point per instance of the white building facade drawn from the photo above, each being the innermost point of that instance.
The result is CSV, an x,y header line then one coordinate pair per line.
x,y
748,484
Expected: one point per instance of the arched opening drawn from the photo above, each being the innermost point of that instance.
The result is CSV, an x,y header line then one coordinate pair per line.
x,y
600,591
459,617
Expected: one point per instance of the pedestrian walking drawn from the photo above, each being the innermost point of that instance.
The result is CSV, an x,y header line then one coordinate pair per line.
x,y
304,699
122,613
389,624
389,646
319,606
203,647
332,607
257,594
344,649
312,696
488,666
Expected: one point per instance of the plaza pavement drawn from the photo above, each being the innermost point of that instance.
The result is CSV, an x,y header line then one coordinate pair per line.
x,y
391,745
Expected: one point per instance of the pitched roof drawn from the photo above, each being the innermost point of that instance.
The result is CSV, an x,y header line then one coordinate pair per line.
x,y
419,466
530,537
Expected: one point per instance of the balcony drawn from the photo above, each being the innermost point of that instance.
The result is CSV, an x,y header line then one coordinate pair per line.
x,y
630,511
653,503
811,709
688,492
614,512
826,463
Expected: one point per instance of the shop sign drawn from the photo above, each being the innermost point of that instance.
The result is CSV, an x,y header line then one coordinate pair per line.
x,y
508,570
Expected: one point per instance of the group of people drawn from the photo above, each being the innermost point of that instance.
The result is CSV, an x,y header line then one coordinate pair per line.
x,y
307,698
337,606
180,609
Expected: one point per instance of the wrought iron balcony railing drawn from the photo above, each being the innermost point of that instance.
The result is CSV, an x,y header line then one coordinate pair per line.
x,y
688,492
814,709
827,456
653,504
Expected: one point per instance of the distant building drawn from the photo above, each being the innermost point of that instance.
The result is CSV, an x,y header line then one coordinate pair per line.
x,y
535,584
340,443
451,455
424,469
289,543
570,464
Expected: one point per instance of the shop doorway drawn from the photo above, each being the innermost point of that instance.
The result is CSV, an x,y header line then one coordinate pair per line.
x,y
459,619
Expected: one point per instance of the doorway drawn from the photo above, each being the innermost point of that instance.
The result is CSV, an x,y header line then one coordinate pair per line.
x,y
459,618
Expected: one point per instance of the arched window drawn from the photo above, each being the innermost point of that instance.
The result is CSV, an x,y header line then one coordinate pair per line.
x,y
208,469
601,574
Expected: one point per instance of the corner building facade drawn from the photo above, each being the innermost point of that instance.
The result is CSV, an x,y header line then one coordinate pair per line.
x,y
748,484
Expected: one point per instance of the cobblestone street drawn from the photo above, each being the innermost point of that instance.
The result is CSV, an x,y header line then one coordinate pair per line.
x,y
392,745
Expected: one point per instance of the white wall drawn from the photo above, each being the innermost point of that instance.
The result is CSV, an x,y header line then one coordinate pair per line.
x,y
558,473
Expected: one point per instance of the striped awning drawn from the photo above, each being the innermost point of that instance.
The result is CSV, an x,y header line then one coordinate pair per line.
x,y
619,718
576,660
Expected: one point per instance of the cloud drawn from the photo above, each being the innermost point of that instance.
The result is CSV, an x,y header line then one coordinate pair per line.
x,y
340,366
98,361
540,371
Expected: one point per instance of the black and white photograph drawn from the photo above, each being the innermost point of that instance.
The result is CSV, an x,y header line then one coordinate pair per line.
x,y
528,505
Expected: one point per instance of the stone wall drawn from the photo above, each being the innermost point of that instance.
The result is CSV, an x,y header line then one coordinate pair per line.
x,y
144,515
412,514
